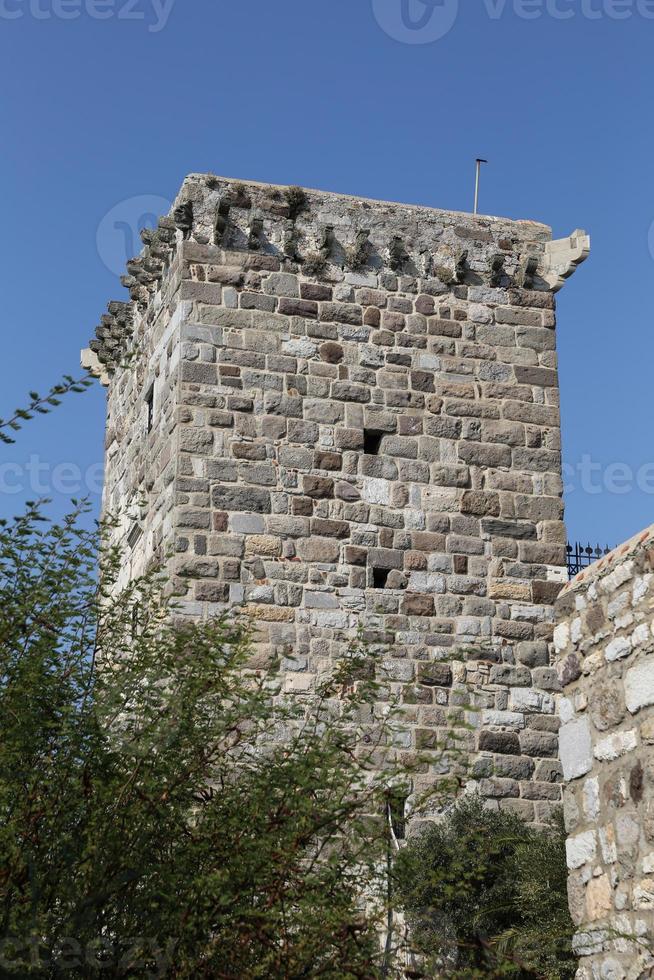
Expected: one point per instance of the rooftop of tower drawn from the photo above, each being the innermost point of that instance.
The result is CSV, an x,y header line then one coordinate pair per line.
x,y
316,194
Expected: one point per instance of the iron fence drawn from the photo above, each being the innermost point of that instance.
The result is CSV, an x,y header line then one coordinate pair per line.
x,y
580,557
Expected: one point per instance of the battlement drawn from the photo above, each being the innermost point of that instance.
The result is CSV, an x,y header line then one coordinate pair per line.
x,y
324,233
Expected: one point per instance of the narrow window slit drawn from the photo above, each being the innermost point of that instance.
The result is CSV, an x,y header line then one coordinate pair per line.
x,y
372,440
149,401
396,810
380,577
134,536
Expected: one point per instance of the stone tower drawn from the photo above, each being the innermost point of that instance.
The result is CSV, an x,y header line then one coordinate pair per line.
x,y
341,413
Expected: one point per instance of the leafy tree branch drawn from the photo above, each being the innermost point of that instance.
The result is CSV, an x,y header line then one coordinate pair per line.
x,y
42,404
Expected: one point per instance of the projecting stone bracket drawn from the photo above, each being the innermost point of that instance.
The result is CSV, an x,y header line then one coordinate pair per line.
x,y
562,257
91,363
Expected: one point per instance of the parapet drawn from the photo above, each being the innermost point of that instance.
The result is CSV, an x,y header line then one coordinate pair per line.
x,y
323,235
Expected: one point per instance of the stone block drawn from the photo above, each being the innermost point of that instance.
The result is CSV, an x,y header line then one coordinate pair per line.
x,y
342,313
318,487
484,454
298,307
315,291
348,392
581,849
480,503
530,702
513,767
639,686
575,748
502,743
318,549
417,605
197,441
435,674
263,545
542,745
245,499
385,558
247,524
326,460
616,745
520,530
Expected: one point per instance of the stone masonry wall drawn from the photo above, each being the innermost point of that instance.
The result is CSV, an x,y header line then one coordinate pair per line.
x,y
342,413
605,650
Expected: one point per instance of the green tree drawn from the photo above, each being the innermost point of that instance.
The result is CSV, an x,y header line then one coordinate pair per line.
x,y
163,810
485,895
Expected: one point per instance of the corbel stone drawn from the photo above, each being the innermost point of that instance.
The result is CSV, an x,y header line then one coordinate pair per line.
x,y
427,263
358,254
527,272
166,230
496,269
562,257
255,238
183,218
397,254
221,223
327,240
291,242
461,266
91,363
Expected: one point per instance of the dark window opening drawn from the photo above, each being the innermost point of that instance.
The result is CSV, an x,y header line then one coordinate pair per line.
x,y
134,535
396,810
380,577
149,401
372,440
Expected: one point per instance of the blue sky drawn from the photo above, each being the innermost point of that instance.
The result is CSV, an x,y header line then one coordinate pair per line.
x,y
107,101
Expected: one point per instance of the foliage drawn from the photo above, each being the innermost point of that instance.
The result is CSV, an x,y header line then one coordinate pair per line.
x,y
42,404
315,264
159,810
297,201
485,895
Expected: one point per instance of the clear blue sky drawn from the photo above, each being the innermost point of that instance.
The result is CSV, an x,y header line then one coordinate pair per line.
x,y
97,112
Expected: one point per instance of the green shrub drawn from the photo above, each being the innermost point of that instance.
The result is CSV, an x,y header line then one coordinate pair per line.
x,y
297,201
315,264
485,895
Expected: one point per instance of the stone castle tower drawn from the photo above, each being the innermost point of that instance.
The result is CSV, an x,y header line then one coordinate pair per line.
x,y
341,413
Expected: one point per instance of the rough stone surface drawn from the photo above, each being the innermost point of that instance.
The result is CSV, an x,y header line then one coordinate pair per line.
x,y
607,713
337,447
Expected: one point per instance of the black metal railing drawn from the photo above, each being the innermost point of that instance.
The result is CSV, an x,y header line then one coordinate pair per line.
x,y
580,557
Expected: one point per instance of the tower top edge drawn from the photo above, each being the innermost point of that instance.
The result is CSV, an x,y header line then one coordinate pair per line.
x,y
533,230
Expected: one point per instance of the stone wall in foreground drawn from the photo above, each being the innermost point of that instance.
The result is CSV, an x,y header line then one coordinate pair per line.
x,y
605,659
